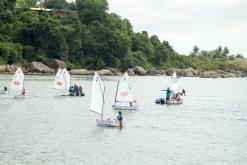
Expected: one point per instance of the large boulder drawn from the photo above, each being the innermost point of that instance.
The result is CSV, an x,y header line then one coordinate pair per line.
x,y
131,71
81,72
189,72
169,72
55,64
11,68
2,68
39,67
155,72
115,71
105,72
227,75
208,74
139,70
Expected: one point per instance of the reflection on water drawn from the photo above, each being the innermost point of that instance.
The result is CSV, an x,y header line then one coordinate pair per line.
x,y
45,128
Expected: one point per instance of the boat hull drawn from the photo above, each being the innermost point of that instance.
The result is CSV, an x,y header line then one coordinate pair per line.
x,y
106,123
125,107
168,102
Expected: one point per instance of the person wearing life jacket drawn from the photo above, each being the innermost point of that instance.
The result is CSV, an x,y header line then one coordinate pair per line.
x,y
168,93
120,119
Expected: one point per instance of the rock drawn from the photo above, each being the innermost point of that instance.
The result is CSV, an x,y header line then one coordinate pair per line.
x,y
208,74
55,64
139,70
169,72
2,68
105,72
81,72
130,71
115,71
189,72
39,67
155,72
227,75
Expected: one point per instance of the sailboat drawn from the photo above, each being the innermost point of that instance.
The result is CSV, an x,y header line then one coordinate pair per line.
x,y
97,102
60,81
17,83
124,98
175,90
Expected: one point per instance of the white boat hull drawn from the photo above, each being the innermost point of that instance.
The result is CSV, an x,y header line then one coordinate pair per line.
x,y
125,107
106,123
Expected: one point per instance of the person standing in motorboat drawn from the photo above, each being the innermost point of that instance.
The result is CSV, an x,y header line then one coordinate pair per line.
x,y
120,119
168,93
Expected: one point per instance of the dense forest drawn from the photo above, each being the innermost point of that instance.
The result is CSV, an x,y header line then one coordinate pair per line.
x,y
85,35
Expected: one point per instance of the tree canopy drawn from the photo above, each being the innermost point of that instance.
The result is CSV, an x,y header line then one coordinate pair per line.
x,y
85,35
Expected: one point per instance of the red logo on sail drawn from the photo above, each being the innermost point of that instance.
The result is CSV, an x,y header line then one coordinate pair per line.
x,y
124,93
59,83
17,83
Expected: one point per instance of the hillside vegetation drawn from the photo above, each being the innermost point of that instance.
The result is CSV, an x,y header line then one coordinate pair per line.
x,y
85,35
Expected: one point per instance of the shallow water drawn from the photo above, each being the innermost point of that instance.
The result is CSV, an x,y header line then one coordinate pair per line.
x,y
45,128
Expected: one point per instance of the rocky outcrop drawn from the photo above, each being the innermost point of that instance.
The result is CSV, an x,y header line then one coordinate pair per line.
x,y
131,71
55,64
81,72
39,68
208,74
139,70
11,68
105,72
155,72
115,71
169,72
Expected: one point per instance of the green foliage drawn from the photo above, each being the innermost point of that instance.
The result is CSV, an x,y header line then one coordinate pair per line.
x,y
90,37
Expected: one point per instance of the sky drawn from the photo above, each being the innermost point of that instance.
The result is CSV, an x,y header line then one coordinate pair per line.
x,y
185,23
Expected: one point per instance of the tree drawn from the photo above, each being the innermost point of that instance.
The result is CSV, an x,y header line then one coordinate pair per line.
x,y
27,4
195,50
91,10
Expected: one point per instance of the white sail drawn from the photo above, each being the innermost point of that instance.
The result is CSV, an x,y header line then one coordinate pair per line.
x,y
17,82
124,91
67,78
60,82
174,87
97,98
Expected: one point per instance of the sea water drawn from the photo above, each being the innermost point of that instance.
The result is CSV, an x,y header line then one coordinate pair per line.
x,y
210,127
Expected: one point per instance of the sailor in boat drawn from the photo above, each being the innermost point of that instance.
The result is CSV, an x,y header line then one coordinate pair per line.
x,y
23,92
131,104
120,119
183,92
176,97
4,91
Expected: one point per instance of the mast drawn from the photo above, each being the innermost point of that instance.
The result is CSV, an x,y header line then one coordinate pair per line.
x,y
103,97
116,93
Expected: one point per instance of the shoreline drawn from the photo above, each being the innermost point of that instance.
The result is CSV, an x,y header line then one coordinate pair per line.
x,y
37,68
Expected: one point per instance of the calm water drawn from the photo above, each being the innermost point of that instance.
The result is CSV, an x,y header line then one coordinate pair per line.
x,y
44,128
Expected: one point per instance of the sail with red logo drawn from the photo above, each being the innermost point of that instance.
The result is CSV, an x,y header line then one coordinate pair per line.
x,y
60,82
124,95
17,83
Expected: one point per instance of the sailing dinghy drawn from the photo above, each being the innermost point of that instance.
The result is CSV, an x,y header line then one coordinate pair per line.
x,y
97,102
175,90
17,83
124,98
